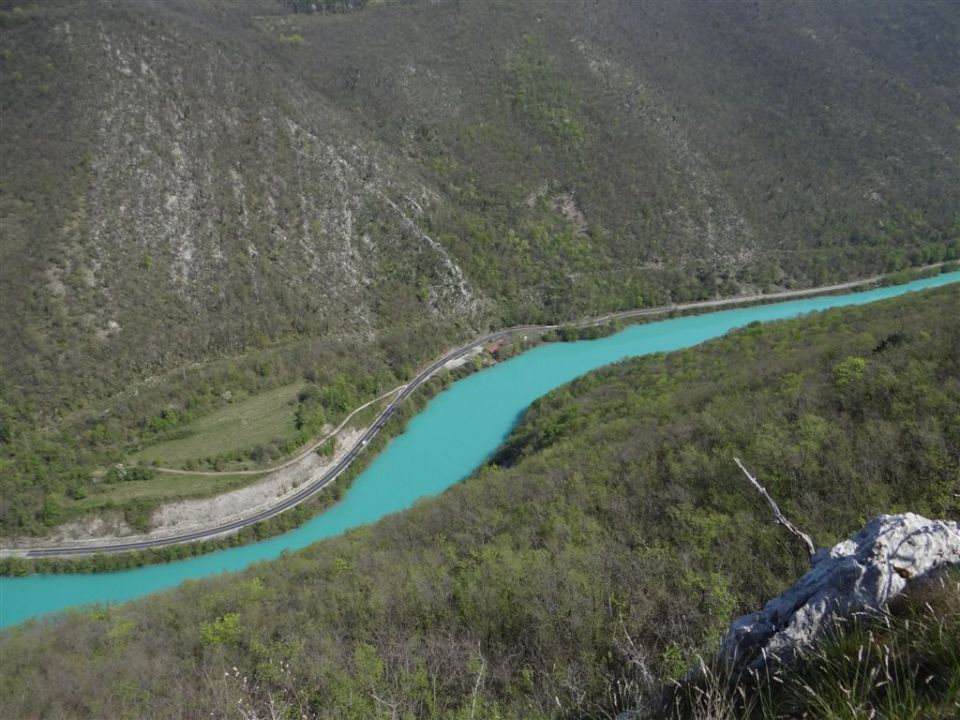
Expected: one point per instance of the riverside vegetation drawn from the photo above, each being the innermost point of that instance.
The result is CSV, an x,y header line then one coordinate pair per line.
x,y
608,542
288,520
202,202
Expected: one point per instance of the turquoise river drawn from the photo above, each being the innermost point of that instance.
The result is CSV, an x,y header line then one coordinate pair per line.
x,y
442,445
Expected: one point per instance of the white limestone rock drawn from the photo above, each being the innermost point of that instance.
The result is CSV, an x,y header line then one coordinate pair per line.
x,y
860,574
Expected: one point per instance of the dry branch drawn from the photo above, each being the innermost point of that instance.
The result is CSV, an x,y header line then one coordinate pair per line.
x,y
811,550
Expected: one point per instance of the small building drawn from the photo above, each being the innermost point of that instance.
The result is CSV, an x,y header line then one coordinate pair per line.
x,y
492,348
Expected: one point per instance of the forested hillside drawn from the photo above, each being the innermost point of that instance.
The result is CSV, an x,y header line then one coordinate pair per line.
x,y
199,198
608,541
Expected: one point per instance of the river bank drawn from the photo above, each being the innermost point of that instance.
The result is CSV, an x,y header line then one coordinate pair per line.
x,y
205,523
203,519
441,446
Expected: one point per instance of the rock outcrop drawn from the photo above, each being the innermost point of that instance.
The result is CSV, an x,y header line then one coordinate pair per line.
x,y
859,575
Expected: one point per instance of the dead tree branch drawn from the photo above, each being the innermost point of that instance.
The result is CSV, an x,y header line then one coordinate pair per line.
x,y
778,516
476,687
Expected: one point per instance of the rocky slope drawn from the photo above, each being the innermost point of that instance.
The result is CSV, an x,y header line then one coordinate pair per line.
x,y
208,202
185,179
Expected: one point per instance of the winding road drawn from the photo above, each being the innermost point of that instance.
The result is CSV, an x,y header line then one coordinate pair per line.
x,y
340,466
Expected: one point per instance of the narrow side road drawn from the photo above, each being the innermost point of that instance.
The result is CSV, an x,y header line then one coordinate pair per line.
x,y
331,474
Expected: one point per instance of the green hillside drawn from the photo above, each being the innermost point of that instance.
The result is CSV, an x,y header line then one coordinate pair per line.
x,y
199,198
609,540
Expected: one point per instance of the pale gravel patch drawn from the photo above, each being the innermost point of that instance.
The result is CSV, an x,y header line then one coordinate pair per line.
x,y
104,524
196,514
189,515
463,359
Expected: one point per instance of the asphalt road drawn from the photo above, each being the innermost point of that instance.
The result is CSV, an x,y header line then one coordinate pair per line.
x,y
308,490
332,473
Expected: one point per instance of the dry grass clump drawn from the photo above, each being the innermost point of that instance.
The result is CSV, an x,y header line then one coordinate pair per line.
x,y
902,663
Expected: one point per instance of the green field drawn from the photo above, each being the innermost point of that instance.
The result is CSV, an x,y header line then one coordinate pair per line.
x,y
164,487
240,426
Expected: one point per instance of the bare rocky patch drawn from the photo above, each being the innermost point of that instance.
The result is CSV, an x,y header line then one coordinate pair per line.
x,y
566,205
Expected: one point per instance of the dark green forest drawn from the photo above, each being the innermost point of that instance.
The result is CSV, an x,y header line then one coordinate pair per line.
x,y
607,543
203,198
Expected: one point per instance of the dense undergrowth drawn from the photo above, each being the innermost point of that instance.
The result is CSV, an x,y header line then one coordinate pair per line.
x,y
603,550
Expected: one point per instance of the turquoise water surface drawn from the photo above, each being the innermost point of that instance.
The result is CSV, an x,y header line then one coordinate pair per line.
x,y
442,445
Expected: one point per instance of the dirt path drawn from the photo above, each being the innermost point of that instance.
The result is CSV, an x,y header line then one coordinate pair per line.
x,y
292,461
